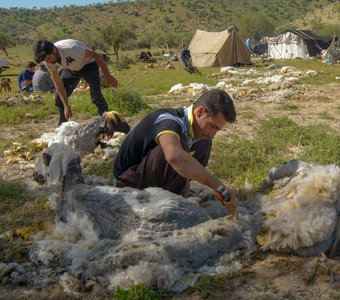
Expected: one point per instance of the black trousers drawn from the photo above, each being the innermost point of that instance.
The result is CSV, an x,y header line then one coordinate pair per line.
x,y
70,79
155,171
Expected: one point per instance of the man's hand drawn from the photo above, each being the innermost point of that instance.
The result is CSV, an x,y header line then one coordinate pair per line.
x,y
67,112
89,54
227,198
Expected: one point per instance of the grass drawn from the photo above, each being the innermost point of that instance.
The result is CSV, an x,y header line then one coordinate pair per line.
x,y
289,106
37,110
205,286
139,292
241,160
123,100
325,115
151,81
103,169
249,114
265,285
322,98
18,209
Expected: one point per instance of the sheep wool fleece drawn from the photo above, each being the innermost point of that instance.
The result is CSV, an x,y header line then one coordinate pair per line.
x,y
140,162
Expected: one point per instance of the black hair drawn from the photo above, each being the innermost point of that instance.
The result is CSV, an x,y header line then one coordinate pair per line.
x,y
216,101
31,64
42,48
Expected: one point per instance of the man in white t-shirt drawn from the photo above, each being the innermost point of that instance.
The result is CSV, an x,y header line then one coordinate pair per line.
x,y
77,61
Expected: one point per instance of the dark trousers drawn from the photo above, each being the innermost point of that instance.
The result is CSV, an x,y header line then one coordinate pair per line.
x,y
70,79
155,171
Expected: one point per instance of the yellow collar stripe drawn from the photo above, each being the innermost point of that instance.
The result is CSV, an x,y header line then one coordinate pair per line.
x,y
190,110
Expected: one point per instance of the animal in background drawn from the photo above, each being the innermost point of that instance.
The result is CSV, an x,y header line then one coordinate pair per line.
x,y
5,84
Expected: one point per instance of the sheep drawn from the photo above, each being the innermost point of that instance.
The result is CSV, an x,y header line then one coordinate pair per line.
x,y
129,236
84,138
130,231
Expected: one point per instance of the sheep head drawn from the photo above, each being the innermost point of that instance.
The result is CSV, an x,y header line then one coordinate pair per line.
x,y
51,166
113,121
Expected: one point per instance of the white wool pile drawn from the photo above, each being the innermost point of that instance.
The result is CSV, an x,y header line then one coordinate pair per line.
x,y
151,274
271,79
286,93
82,138
311,73
291,71
69,240
226,69
177,89
301,210
65,133
192,89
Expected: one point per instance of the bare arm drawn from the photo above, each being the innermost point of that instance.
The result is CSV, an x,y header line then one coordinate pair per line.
x,y
59,86
102,64
188,167
184,164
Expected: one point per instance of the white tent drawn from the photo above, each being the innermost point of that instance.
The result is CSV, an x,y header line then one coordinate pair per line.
x,y
296,44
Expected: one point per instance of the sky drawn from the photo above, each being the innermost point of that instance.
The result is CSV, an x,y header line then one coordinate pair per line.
x,y
46,3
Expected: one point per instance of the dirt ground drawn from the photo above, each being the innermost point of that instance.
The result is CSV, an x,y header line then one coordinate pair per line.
x,y
267,275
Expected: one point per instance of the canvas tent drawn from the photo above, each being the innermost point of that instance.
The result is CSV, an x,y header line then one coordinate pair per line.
x,y
223,48
294,43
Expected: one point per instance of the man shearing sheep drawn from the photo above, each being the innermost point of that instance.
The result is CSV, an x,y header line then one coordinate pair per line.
x,y
170,147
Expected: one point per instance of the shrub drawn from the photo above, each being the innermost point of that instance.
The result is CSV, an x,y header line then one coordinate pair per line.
x,y
125,101
139,292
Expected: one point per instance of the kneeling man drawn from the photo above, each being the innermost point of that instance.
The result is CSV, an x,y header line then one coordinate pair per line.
x,y
170,147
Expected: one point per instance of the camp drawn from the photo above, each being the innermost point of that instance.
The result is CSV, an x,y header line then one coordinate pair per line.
x,y
218,49
293,43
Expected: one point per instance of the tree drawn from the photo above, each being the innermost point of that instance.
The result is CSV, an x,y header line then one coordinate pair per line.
x,y
256,25
145,40
6,42
116,36
94,39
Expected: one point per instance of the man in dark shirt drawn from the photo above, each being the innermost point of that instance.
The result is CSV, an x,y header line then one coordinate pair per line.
x,y
170,147
25,77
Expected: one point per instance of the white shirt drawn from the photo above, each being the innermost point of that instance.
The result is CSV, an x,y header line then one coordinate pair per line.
x,y
71,55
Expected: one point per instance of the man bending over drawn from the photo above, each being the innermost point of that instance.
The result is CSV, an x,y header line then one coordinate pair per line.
x,y
170,147
76,61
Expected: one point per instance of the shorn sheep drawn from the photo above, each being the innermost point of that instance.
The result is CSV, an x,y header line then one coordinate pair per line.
x,y
124,237
84,138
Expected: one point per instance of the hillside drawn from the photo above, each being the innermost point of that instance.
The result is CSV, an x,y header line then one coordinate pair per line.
x,y
150,19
